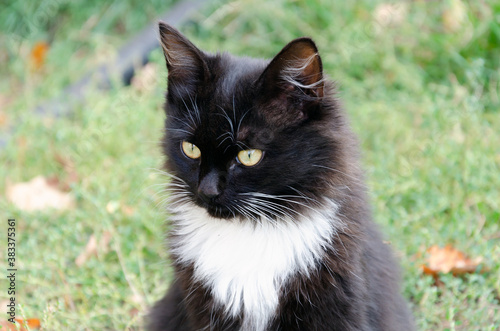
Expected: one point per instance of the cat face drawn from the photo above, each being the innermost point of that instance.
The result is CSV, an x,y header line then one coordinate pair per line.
x,y
244,137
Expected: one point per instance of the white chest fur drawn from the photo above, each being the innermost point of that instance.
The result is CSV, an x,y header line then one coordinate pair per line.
x,y
245,265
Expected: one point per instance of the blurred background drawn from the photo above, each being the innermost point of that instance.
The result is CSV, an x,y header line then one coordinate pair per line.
x,y
420,81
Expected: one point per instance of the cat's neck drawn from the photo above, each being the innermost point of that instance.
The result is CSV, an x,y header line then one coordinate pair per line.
x,y
246,262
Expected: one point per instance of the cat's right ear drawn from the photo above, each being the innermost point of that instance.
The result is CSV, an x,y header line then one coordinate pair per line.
x,y
185,62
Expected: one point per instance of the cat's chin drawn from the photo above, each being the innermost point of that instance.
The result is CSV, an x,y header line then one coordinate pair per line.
x,y
220,213
217,211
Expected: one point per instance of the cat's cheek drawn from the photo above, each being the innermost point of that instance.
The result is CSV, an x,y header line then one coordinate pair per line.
x,y
186,169
236,170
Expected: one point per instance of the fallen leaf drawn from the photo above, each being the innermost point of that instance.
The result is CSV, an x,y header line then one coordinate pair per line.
x,y
93,247
24,325
38,55
32,323
145,79
449,260
38,194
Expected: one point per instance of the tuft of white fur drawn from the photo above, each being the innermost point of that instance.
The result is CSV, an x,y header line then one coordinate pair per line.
x,y
295,70
246,264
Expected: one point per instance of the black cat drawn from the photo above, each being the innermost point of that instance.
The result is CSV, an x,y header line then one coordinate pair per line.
x,y
270,224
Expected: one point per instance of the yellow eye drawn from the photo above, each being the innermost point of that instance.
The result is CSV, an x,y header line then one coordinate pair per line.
x,y
250,157
191,150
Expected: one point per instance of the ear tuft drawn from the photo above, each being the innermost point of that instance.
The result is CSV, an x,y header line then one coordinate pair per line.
x,y
291,87
298,65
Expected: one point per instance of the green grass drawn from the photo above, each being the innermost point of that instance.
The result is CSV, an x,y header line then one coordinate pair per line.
x,y
422,96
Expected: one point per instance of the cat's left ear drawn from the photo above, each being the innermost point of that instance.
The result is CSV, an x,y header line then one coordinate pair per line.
x,y
291,87
297,66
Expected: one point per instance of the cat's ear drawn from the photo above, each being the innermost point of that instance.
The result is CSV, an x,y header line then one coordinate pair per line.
x,y
186,66
291,87
297,66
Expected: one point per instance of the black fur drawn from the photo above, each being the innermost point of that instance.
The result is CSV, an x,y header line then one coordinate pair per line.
x,y
309,148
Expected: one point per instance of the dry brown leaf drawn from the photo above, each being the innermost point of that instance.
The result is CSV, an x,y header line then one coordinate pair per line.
x,y
38,194
38,55
93,247
145,79
449,260
32,323
5,325
29,323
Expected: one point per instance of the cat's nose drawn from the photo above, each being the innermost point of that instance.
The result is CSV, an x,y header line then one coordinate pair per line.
x,y
208,189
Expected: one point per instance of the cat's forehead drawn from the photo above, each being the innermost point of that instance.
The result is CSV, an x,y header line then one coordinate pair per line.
x,y
231,101
232,75
225,112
